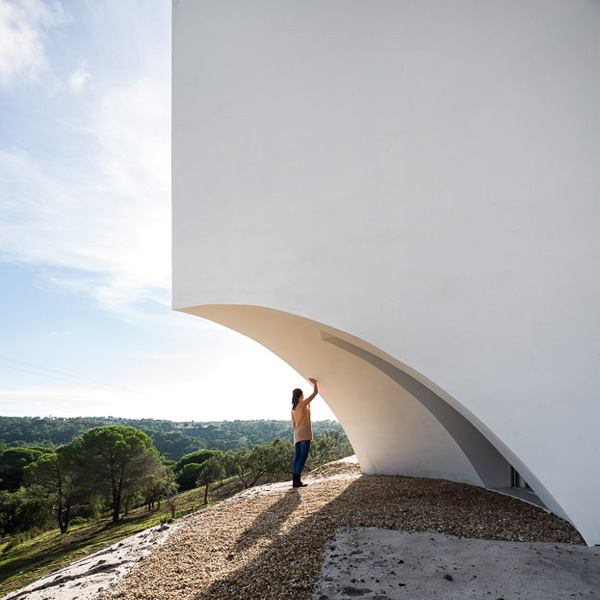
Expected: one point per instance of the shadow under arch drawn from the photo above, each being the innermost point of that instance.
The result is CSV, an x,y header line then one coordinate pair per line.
x,y
436,435
490,465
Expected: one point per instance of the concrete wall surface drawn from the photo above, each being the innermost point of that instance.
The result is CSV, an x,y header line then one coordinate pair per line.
x,y
402,199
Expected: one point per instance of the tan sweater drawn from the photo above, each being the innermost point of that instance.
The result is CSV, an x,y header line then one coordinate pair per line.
x,y
301,422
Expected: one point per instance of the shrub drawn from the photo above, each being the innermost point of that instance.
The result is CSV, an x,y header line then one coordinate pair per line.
x,y
189,475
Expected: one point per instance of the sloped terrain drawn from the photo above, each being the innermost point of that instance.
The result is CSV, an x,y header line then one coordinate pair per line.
x,y
271,543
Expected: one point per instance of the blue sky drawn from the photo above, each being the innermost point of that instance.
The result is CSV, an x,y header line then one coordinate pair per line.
x,y
85,321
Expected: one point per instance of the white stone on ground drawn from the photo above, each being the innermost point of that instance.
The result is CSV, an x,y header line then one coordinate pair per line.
x,y
86,578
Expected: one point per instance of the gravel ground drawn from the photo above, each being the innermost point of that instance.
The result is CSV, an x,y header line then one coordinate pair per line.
x,y
272,545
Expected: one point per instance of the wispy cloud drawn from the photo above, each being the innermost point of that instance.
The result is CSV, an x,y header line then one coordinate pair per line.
x,y
85,205
98,220
23,28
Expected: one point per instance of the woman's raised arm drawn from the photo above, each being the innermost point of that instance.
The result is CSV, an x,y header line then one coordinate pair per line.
x,y
315,391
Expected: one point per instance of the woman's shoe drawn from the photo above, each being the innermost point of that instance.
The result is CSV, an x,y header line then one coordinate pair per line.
x,y
297,483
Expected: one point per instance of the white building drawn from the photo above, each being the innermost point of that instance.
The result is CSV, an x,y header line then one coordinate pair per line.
x,y
402,199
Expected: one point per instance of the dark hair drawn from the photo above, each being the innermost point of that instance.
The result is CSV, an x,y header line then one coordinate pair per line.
x,y
296,397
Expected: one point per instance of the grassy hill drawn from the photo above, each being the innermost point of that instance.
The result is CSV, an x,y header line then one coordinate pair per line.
x,y
25,562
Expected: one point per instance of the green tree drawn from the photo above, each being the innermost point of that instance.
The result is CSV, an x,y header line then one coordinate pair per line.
x,y
12,463
189,475
238,462
58,477
265,459
212,471
281,457
162,483
10,503
229,462
21,511
328,446
199,457
119,460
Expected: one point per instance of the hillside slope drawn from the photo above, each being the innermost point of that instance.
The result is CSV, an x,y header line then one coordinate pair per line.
x,y
272,541
272,544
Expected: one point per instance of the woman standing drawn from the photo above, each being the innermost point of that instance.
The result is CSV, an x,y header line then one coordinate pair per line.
x,y
302,429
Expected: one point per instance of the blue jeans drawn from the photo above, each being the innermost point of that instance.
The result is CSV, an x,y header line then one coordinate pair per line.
x,y
301,455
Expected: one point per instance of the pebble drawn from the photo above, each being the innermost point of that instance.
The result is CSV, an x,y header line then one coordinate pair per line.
x,y
271,545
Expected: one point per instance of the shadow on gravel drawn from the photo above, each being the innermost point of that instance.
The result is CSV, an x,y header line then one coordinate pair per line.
x,y
269,523
289,567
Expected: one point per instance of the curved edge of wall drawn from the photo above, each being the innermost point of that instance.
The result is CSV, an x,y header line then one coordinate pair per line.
x,y
398,422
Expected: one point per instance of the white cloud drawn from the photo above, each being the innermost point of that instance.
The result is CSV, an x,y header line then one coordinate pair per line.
x,y
23,26
79,77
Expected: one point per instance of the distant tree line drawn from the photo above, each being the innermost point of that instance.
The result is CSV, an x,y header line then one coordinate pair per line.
x,y
172,439
112,468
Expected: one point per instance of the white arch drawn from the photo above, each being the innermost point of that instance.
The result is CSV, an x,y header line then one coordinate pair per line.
x,y
419,181
397,421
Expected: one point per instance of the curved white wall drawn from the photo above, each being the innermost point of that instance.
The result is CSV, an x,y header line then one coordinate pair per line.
x,y
403,198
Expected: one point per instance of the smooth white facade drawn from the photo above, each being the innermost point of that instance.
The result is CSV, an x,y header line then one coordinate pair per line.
x,y
402,199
